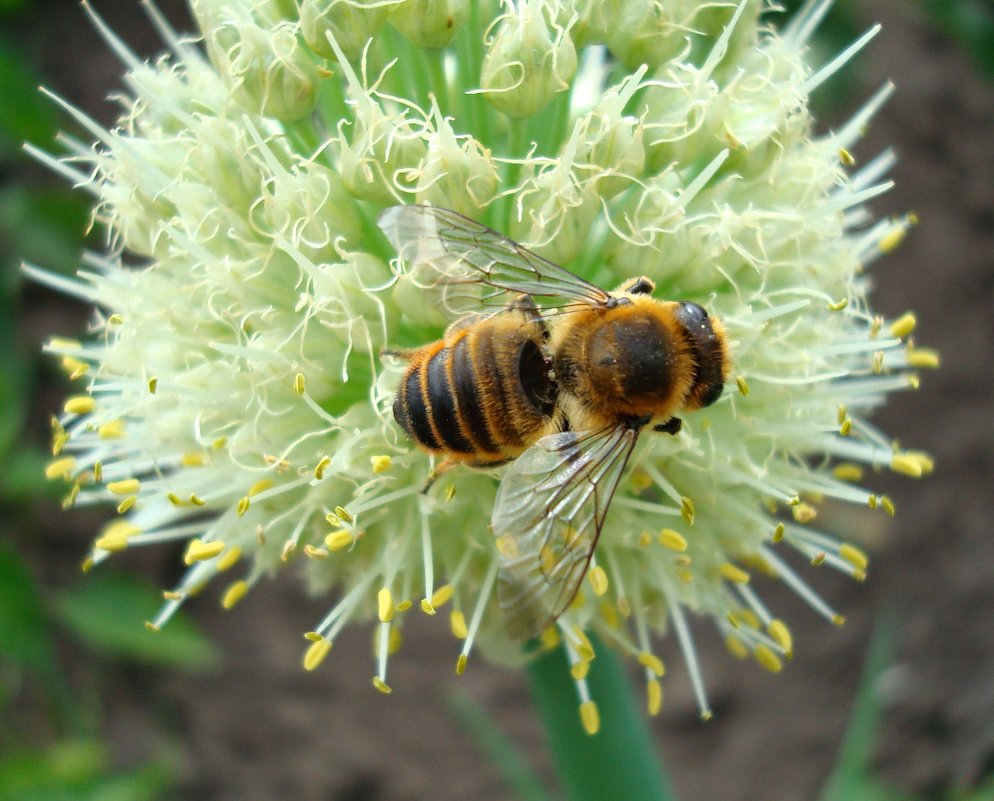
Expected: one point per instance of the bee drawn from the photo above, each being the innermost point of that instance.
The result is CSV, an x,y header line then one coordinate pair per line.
x,y
562,390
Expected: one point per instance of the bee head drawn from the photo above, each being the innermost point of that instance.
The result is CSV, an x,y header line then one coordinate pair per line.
x,y
706,337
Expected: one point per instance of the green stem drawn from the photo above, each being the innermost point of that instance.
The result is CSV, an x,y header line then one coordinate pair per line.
x,y
620,761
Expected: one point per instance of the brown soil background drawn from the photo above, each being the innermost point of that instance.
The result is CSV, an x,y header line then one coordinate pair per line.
x,y
261,728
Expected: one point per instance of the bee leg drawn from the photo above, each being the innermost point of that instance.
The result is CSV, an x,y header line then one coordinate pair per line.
x,y
437,472
399,353
526,305
671,426
638,286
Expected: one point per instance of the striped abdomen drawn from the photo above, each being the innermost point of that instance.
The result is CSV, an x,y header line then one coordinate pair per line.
x,y
482,393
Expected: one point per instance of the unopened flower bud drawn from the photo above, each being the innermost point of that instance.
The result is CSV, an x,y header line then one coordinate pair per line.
x,y
268,69
530,60
457,174
352,22
429,23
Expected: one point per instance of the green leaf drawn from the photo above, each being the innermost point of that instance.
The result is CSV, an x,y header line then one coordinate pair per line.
x,y
620,761
26,639
43,227
108,612
520,779
77,770
25,114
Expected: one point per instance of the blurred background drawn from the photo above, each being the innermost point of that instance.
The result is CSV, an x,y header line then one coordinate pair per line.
x,y
217,706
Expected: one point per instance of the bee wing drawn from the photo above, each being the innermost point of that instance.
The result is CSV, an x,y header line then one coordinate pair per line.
x,y
466,252
548,514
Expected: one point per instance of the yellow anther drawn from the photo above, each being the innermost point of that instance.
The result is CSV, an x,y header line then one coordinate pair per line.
x,y
608,614
778,532
645,539
781,635
653,696
859,575
196,500
60,468
640,481
450,492
846,428
150,626
838,305
98,472
507,547
426,607
128,486
79,404
243,506
743,385
75,367
893,238
338,540
404,605
549,637
111,542
219,443
394,641
547,559
321,467
172,595
847,471
344,515
289,549
442,595
887,505
457,623
872,501
112,430
199,551
749,618
819,559
153,385
734,573
70,499
259,486
841,414
804,513
174,499
854,556
461,664
333,519
903,325
590,717
299,384
877,362
115,319
838,620
234,593
579,670
598,580
584,648
687,510
736,647
846,158
922,357
123,528
673,540
194,459
385,603
312,636
763,654
316,652
652,662
87,564
912,463
233,554
380,463
685,575
381,685
311,552
126,504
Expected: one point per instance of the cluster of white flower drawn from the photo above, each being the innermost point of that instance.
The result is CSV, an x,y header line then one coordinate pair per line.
x,y
232,390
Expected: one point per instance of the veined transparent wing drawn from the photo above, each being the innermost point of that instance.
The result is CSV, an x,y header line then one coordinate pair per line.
x,y
465,252
549,512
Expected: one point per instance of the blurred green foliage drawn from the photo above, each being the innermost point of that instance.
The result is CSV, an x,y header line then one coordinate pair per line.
x,y
970,23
